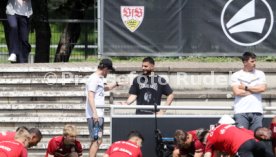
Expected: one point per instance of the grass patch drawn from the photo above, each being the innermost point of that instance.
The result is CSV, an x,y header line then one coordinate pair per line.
x,y
188,59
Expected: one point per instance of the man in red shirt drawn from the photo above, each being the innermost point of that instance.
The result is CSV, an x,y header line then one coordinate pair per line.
x,y
188,143
273,135
234,141
17,146
35,133
130,148
66,145
264,133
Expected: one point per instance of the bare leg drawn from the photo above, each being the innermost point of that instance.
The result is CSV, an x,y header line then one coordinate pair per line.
x,y
94,147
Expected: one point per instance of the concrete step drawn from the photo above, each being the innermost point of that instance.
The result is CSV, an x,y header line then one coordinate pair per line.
x,y
43,87
43,93
41,153
177,80
43,74
56,130
55,119
49,95
85,146
46,67
43,105
81,131
53,129
84,140
39,113
33,99
201,94
44,109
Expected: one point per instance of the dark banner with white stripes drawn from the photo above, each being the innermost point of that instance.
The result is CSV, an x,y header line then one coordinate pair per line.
x,y
188,27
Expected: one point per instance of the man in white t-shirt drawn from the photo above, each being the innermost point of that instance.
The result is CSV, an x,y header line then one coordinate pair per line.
x,y
247,86
95,88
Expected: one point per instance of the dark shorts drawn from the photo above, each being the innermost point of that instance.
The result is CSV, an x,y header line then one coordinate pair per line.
x,y
251,148
91,125
249,120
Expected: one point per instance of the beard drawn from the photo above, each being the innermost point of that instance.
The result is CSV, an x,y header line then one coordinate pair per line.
x,y
147,72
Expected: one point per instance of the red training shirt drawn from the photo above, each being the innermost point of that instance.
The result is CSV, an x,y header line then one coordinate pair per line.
x,y
7,136
12,148
227,138
124,149
56,147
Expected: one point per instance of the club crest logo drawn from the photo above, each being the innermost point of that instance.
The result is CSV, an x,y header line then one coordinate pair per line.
x,y
247,22
132,16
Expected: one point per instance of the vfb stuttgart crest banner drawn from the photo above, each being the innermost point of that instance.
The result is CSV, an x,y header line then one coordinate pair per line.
x,y
132,16
188,27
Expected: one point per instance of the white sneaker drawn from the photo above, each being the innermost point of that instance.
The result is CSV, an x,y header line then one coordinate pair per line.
x,y
12,58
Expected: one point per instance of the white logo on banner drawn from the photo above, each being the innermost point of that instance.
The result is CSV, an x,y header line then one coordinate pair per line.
x,y
244,20
132,16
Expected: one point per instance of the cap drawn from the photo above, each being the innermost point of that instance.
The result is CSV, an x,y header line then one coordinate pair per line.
x,y
226,119
107,63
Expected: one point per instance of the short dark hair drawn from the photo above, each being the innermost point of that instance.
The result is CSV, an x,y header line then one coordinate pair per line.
x,y
36,131
149,59
247,55
135,133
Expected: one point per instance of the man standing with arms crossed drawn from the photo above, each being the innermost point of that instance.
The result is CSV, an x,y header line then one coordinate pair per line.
x,y
95,88
247,86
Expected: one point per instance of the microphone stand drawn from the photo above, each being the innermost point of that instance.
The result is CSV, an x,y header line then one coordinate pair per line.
x,y
157,133
161,141
155,116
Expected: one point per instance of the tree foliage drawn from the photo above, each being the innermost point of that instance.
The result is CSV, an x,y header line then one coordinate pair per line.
x,y
42,29
71,31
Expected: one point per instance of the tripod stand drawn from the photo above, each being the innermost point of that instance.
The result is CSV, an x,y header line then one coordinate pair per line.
x,y
164,145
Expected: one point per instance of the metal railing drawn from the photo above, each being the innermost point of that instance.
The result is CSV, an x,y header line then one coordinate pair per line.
x,y
113,109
